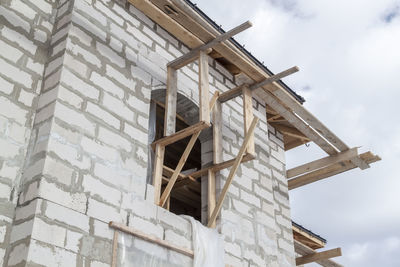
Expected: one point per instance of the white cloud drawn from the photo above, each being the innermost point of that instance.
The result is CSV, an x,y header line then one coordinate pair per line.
x,y
349,58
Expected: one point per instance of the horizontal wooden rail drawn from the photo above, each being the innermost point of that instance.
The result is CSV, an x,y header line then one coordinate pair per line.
x,y
219,166
320,163
329,171
181,134
228,95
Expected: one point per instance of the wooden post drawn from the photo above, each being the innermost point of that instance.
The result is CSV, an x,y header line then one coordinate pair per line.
x,y
157,172
248,117
170,102
178,169
217,129
232,172
211,196
204,88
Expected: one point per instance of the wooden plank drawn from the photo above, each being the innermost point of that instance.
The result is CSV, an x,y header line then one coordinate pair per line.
x,y
327,254
178,168
304,250
123,228
114,259
248,117
232,93
329,171
319,163
157,171
220,166
211,196
217,132
170,102
204,88
232,172
274,78
193,54
181,134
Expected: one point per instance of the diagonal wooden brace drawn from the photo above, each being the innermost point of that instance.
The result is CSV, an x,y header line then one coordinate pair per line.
x,y
232,172
178,168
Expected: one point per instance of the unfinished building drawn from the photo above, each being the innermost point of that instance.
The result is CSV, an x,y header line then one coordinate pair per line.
x,y
117,117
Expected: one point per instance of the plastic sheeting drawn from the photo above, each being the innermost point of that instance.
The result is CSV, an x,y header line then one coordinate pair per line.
x,y
134,251
208,248
208,245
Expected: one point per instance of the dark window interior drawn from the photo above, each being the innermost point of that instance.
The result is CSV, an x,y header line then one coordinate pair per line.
x,y
185,199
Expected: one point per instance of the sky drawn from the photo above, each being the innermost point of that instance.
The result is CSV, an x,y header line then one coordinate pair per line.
x,y
348,53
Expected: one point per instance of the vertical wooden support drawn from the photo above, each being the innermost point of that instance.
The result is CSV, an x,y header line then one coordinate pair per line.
x,y
157,172
170,102
211,195
114,258
178,169
248,116
217,130
232,172
204,88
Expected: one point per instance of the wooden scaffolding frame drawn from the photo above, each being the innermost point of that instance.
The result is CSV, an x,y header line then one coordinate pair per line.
x,y
206,107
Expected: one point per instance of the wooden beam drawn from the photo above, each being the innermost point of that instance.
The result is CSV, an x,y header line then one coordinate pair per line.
x,y
170,102
232,172
237,91
157,171
168,172
320,163
204,88
123,228
274,78
193,54
232,93
181,134
220,166
248,117
329,171
211,196
304,250
327,254
178,168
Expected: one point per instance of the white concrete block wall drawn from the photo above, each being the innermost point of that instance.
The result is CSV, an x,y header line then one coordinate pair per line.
x,y
75,123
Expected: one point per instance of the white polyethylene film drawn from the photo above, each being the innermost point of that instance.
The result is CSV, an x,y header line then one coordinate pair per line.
x,y
208,245
134,251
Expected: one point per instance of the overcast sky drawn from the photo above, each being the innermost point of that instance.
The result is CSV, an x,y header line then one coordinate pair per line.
x,y
349,58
